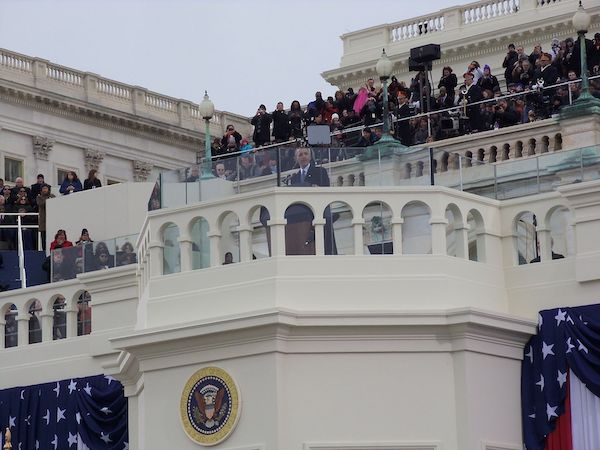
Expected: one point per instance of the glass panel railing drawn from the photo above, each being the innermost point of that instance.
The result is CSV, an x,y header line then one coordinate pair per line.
x,y
67,263
516,178
379,165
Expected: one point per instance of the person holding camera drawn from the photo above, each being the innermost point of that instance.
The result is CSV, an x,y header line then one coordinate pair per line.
x,y
510,60
230,143
262,126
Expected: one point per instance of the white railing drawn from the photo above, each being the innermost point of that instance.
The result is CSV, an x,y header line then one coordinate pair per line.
x,y
481,11
63,75
108,93
15,61
113,89
416,27
547,2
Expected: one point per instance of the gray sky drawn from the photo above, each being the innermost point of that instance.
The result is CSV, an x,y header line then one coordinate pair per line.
x,y
244,52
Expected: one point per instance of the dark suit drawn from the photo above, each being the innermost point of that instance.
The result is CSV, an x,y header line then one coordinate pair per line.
x,y
549,75
300,233
473,112
403,126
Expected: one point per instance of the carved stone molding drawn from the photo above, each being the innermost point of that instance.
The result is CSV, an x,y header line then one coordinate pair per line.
x,y
93,159
42,146
141,170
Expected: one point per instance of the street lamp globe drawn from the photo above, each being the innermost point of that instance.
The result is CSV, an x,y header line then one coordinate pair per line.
x,y
581,20
206,107
384,66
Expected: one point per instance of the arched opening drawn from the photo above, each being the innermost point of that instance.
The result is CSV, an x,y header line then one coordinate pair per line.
x,y
407,170
361,179
171,249
59,319
230,238
338,230
416,229
526,238
299,231
261,232
454,232
11,331
475,236
84,314
35,325
200,244
377,229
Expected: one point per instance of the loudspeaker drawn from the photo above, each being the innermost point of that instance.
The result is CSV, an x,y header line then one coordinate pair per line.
x,y
414,66
425,53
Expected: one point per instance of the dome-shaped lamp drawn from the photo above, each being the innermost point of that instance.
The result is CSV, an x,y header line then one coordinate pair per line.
x,y
384,66
581,19
206,107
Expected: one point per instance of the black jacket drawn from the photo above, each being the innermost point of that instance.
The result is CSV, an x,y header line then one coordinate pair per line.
x,y
281,125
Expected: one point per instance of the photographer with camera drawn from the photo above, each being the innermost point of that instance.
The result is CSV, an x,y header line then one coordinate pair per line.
x,y
262,126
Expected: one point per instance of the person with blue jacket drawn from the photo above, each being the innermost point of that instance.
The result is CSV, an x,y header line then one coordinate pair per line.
x,y
70,184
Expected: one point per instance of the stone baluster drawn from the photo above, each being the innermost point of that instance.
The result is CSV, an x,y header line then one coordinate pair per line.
x,y
185,246
277,227
215,248
438,235
71,320
47,324
319,225
2,333
156,249
462,241
23,328
357,225
397,223
245,233
545,241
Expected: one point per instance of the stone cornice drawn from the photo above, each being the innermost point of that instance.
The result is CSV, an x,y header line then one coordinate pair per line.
x,y
99,116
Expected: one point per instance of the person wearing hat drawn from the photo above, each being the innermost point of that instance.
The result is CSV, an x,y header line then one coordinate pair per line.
x,y
84,240
472,94
262,126
488,81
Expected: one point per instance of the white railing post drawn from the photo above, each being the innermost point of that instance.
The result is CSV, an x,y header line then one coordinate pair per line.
x,y
21,254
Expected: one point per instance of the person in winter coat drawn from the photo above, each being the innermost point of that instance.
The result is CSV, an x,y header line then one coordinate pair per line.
x,y
262,126
70,184
281,124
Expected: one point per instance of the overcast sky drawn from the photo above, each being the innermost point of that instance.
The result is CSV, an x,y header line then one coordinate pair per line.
x,y
244,52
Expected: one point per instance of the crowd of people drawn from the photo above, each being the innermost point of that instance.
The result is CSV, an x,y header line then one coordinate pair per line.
x,y
353,117
67,259
23,199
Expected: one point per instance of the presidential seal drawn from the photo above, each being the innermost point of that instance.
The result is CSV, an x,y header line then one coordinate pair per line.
x,y
210,406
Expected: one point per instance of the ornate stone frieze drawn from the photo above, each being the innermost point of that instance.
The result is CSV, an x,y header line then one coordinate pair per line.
x,y
93,159
42,146
141,170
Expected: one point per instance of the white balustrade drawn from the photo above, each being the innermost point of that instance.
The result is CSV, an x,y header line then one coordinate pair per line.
x,y
160,102
63,75
15,61
118,90
416,27
481,11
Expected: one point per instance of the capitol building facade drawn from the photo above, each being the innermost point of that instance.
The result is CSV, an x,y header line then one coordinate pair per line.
x,y
411,337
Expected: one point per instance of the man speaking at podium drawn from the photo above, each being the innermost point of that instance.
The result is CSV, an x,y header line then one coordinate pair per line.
x,y
299,231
